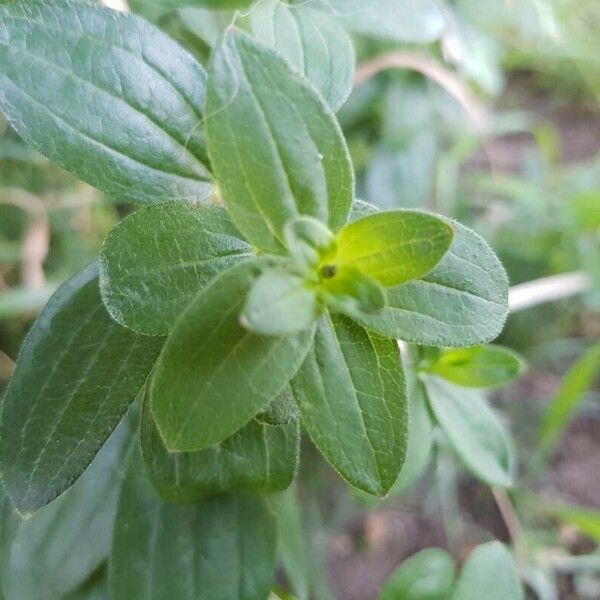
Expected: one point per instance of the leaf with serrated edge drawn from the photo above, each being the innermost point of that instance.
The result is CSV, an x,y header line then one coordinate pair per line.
x,y
106,96
473,430
352,398
221,549
394,246
213,375
77,373
258,458
155,261
276,156
462,302
313,41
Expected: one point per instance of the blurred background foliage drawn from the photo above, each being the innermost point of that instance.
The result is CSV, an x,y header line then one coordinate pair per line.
x,y
486,111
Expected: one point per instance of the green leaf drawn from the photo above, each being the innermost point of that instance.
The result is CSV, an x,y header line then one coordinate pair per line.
x,y
106,96
212,4
394,246
213,375
427,575
462,302
282,411
276,156
578,380
587,520
351,292
586,209
473,430
291,542
489,573
281,303
352,398
479,366
313,41
412,21
77,373
154,262
55,550
308,242
258,458
222,549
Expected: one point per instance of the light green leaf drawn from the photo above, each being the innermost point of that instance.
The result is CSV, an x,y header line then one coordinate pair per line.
x,y
222,549
308,242
351,292
212,4
55,550
462,302
473,430
282,411
427,575
213,375
479,366
587,520
489,573
281,303
411,21
313,41
586,209
106,96
394,246
155,261
276,156
352,398
77,373
578,380
258,458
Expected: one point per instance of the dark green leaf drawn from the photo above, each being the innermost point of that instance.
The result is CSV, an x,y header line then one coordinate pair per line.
x,y
213,375
576,383
56,549
313,41
474,431
427,575
222,549
154,262
394,246
352,398
281,303
77,373
462,302
106,96
258,458
489,573
479,366
276,156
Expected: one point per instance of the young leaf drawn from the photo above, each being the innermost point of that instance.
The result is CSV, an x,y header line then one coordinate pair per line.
x,y
575,384
55,550
489,573
282,411
155,261
281,303
222,549
276,156
351,292
479,366
587,520
394,246
257,458
313,41
308,242
213,375
473,430
77,373
106,96
427,575
352,398
462,302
